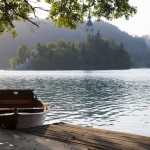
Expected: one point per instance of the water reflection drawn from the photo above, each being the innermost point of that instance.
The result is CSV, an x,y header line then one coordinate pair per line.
x,y
116,100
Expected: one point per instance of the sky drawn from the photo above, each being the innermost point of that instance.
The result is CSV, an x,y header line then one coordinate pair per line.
x,y
139,24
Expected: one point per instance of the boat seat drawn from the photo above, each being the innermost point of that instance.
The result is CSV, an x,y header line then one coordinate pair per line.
x,y
9,103
30,110
6,110
33,110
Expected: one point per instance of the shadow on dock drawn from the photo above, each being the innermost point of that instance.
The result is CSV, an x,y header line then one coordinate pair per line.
x,y
14,140
90,138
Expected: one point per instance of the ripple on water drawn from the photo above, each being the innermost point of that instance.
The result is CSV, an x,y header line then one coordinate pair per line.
x,y
116,100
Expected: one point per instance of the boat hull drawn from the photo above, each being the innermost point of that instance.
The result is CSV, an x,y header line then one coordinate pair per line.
x,y
30,120
21,109
22,120
7,121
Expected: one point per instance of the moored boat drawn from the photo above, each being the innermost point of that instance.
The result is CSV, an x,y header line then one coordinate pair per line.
x,y
21,109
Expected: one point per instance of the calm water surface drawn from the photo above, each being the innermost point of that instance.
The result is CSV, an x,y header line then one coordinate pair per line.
x,y
114,100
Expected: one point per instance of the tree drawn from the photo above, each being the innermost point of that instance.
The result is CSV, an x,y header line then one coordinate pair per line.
x,y
67,13
23,53
13,63
41,49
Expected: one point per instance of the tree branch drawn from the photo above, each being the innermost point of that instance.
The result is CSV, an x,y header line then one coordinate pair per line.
x,y
23,17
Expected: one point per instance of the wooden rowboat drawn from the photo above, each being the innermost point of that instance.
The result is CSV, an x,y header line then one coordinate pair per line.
x,y
21,109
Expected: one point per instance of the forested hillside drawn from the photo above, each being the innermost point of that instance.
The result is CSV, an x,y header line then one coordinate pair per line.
x,y
93,54
29,36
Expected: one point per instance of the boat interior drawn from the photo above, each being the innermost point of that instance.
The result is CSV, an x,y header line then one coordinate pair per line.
x,y
22,100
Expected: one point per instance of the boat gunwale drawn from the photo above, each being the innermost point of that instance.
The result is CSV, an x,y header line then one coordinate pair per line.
x,y
43,110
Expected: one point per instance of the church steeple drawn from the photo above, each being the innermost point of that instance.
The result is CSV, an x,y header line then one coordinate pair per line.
x,y
89,26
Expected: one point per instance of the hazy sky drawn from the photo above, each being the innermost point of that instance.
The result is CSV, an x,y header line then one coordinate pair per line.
x,y
139,24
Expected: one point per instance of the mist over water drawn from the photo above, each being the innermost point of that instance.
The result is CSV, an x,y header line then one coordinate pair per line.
x,y
115,100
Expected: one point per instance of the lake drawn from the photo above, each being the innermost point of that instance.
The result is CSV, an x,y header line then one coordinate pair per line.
x,y
116,100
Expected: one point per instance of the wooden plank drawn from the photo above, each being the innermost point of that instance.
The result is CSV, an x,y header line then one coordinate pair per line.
x,y
116,135
6,109
100,131
106,133
86,142
87,138
67,129
92,138
16,101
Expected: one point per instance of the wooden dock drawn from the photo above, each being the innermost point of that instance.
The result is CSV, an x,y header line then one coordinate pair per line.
x,y
91,138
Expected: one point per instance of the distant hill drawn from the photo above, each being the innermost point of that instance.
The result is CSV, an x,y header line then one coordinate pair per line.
x,y
47,32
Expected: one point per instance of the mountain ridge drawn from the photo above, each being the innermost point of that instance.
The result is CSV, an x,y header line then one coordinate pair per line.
x,y
47,32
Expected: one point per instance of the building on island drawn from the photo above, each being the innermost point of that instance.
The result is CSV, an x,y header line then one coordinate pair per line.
x,y
89,26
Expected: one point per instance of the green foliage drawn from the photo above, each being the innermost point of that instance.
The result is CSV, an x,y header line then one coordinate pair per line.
x,y
22,54
67,13
10,11
13,63
141,58
96,54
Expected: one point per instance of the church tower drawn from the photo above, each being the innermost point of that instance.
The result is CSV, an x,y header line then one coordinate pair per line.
x,y
89,27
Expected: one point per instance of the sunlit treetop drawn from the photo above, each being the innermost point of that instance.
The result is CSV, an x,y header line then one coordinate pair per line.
x,y
67,13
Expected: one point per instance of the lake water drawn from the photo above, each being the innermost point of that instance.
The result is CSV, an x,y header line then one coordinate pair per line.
x,y
115,100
